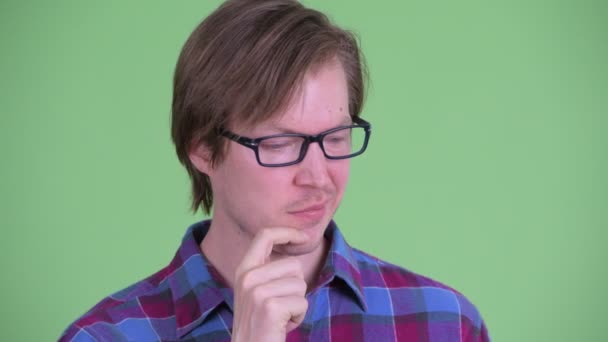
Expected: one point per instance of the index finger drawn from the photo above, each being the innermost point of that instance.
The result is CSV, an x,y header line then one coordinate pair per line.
x,y
264,241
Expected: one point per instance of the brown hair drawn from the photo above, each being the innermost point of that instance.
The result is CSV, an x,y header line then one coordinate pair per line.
x,y
242,65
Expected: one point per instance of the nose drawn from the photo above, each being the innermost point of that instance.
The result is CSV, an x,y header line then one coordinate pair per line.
x,y
313,170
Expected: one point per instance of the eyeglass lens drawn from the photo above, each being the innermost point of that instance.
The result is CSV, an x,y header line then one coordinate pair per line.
x,y
340,143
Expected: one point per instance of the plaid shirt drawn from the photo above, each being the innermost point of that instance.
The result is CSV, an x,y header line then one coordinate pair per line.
x,y
358,298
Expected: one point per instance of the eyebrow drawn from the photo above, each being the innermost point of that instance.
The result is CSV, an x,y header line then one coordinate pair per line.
x,y
347,121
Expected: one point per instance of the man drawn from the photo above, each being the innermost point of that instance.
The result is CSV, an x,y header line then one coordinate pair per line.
x,y
267,97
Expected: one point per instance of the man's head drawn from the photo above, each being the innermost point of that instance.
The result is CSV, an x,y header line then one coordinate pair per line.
x,y
242,65
254,68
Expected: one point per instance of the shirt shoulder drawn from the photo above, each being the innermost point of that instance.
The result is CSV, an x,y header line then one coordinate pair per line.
x,y
410,293
137,312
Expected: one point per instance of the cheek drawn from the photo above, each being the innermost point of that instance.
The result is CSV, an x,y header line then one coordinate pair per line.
x,y
239,177
255,181
340,174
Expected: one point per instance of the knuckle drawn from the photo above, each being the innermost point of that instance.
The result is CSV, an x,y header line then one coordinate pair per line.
x,y
302,287
270,305
302,303
247,280
258,295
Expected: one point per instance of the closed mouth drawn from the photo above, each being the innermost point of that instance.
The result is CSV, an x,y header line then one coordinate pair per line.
x,y
311,208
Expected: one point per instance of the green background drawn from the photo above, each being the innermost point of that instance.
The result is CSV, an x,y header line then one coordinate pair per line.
x,y
486,170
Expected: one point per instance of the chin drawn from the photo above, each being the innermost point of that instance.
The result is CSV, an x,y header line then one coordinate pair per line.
x,y
313,228
300,249
315,232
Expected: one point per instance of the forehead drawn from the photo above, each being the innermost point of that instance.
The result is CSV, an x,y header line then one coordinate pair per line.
x,y
319,102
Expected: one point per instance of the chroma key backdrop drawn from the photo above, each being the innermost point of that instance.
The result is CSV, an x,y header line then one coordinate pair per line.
x,y
486,170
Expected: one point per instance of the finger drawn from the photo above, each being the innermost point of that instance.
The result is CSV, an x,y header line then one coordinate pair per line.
x,y
262,244
283,287
297,308
288,311
282,268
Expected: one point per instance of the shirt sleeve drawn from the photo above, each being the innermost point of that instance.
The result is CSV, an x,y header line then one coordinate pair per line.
x,y
472,333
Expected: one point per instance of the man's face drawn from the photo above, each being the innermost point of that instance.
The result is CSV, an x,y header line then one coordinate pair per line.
x,y
249,197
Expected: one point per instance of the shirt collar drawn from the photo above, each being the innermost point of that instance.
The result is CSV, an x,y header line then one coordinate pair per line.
x,y
342,264
198,289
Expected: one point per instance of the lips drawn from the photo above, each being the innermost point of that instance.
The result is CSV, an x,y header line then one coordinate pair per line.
x,y
313,212
311,208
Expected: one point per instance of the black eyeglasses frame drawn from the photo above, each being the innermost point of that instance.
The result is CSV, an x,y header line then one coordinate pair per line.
x,y
308,139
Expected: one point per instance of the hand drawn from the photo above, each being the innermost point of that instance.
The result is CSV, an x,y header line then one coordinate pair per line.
x,y
269,297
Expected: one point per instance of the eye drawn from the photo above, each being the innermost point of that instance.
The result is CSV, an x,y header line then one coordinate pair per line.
x,y
274,146
334,140
338,138
278,144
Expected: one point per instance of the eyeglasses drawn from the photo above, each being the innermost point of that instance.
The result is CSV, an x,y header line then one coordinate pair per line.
x,y
290,148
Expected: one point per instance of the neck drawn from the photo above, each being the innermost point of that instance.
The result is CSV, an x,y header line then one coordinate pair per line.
x,y
225,245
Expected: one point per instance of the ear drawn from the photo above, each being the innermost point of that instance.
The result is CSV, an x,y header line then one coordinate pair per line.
x,y
200,157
